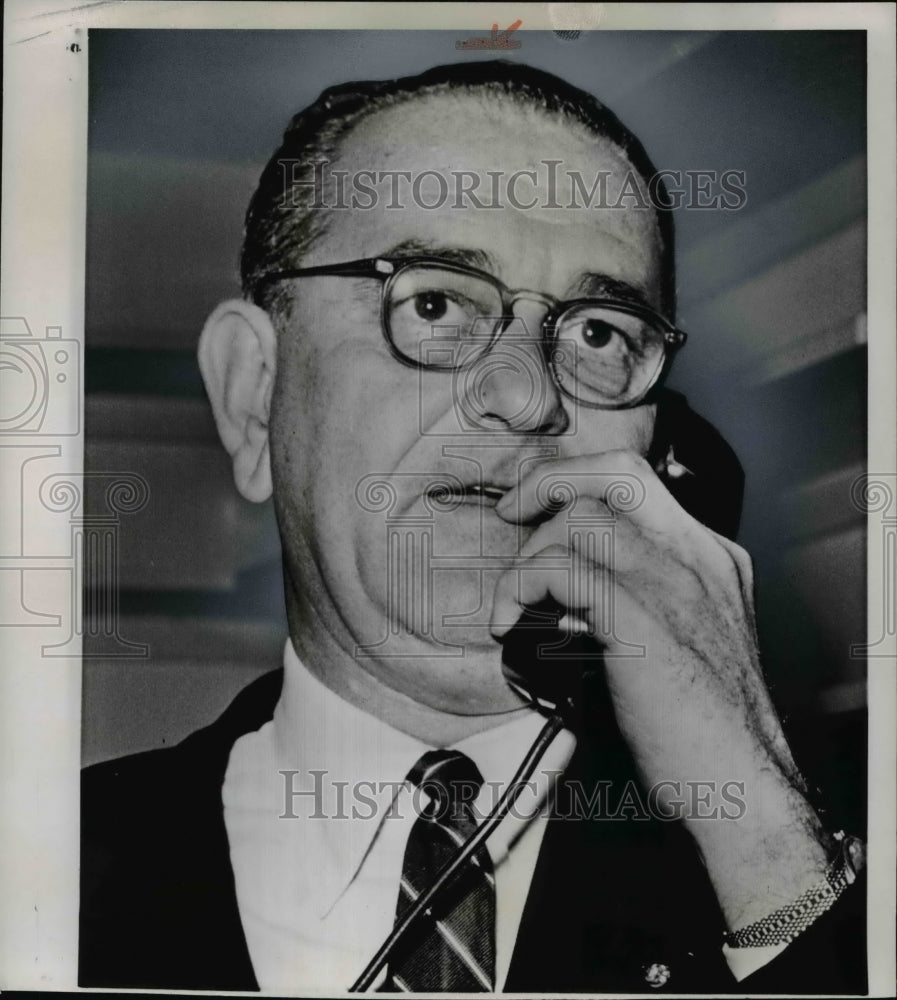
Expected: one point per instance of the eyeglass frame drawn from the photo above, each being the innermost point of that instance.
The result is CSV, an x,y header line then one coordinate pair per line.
x,y
388,269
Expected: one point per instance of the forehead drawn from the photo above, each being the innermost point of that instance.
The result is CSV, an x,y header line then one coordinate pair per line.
x,y
536,230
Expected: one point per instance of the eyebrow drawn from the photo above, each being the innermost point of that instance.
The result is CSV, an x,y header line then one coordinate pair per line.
x,y
595,285
443,251
588,284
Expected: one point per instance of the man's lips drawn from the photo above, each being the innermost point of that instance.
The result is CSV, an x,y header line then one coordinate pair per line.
x,y
480,494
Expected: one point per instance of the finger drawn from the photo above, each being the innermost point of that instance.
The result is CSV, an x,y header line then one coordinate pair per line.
x,y
563,528
547,574
571,622
744,565
593,533
622,480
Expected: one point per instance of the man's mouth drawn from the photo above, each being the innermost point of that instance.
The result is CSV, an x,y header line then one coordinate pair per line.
x,y
480,494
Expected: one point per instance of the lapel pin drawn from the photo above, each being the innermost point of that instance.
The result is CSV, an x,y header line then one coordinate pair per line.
x,y
674,468
657,974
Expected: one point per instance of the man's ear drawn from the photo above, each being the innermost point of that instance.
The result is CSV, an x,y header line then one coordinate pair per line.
x,y
237,358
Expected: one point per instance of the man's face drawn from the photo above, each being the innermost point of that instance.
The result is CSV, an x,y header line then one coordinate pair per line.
x,y
398,585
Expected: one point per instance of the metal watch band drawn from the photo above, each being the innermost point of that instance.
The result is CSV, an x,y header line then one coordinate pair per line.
x,y
785,924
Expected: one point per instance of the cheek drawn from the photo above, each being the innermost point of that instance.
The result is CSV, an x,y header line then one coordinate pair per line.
x,y
340,411
597,431
642,428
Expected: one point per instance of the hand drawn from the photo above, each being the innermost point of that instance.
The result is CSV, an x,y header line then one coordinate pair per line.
x,y
672,586
695,707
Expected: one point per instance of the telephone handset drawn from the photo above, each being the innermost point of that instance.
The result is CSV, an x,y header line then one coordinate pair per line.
x,y
704,475
697,465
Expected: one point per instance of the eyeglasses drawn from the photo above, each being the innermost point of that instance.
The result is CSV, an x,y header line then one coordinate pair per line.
x,y
606,353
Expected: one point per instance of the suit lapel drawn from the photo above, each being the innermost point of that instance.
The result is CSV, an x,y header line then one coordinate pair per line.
x,y
158,902
214,910
615,891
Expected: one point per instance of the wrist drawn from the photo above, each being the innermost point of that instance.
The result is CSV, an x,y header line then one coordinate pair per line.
x,y
762,861
782,926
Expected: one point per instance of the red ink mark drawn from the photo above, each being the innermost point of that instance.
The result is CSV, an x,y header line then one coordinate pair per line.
x,y
497,40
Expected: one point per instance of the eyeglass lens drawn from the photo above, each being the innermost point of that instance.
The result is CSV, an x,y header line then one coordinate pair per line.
x,y
441,318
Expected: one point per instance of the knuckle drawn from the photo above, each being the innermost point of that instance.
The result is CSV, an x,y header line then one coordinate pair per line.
x,y
745,564
742,556
504,588
586,504
739,567
556,551
623,460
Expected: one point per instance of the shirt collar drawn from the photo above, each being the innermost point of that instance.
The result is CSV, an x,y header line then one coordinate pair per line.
x,y
317,730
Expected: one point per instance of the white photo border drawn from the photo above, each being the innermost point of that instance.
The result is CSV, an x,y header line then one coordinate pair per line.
x,y
43,271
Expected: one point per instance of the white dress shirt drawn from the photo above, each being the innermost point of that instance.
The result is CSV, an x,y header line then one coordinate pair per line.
x,y
317,892
317,874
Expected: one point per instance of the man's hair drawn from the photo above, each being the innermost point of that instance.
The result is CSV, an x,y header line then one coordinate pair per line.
x,y
280,228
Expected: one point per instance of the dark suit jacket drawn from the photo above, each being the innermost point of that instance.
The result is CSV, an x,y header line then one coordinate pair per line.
x,y
607,900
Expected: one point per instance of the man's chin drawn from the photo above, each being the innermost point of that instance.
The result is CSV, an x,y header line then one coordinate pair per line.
x,y
467,640
497,700
457,672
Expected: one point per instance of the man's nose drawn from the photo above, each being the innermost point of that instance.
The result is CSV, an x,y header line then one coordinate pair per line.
x,y
512,386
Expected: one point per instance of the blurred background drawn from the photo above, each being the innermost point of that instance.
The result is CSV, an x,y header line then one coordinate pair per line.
x,y
773,297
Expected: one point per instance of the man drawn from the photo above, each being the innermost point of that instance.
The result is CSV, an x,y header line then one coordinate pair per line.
x,y
454,400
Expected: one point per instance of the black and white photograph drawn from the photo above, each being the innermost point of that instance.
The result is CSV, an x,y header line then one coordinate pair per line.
x,y
450,500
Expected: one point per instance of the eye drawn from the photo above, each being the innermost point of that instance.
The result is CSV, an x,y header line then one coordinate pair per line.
x,y
431,305
437,308
600,337
422,310
597,333
614,352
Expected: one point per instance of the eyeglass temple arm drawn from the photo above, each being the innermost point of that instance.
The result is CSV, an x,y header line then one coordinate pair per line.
x,y
370,267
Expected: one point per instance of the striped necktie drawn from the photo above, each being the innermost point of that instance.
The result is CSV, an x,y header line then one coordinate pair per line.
x,y
452,946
